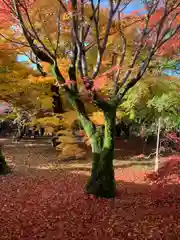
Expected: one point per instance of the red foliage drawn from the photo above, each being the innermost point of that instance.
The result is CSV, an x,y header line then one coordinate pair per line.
x,y
44,204
172,45
173,139
173,136
102,80
6,16
169,173
53,206
69,6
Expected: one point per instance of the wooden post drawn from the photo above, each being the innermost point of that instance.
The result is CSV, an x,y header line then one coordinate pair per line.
x,y
157,146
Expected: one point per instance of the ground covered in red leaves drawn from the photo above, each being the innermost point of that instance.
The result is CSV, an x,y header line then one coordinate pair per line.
x,y
44,204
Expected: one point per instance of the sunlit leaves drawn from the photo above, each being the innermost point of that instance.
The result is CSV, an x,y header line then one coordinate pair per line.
x,y
151,98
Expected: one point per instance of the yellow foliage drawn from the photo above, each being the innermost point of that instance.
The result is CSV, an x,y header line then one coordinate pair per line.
x,y
46,66
40,79
68,146
65,133
49,130
52,121
64,66
66,17
68,118
67,139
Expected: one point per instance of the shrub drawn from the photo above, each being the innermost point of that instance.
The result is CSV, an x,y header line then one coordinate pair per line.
x,y
68,146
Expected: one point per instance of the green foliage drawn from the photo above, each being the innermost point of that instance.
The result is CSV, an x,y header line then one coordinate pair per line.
x,y
151,98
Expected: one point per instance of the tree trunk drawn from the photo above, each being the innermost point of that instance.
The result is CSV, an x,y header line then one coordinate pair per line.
x,y
56,100
101,182
3,165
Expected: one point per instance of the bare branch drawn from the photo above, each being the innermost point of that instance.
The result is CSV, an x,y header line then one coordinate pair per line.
x,y
59,32
96,20
87,32
125,6
76,38
102,48
95,10
92,44
96,23
83,53
8,5
136,55
63,6
13,41
155,46
139,75
82,21
161,41
45,31
108,26
39,53
31,25
124,45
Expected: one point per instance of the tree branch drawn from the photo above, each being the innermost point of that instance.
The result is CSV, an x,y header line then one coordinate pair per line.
x,y
63,6
124,46
59,33
154,48
13,41
31,25
161,41
136,55
46,33
72,71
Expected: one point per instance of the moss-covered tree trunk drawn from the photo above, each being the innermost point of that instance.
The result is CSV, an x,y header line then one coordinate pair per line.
x,y
3,165
101,182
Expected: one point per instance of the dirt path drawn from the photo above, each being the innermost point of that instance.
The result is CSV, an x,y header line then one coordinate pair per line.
x,y
29,154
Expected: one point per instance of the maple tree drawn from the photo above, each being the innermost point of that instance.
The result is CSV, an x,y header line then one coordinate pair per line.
x,y
152,35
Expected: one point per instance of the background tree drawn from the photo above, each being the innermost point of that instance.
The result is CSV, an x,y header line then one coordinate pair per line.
x,y
151,35
3,165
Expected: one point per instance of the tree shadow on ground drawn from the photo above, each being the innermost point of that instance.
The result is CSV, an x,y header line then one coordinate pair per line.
x,y
125,149
87,166
43,204
170,170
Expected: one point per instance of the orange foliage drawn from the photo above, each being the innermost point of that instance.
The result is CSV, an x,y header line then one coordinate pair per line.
x,y
97,118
